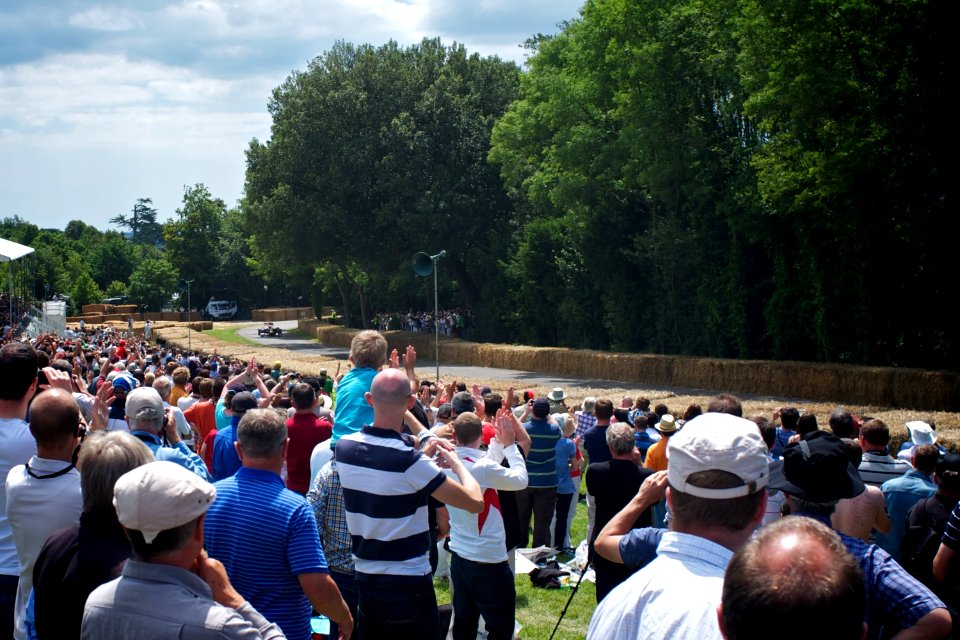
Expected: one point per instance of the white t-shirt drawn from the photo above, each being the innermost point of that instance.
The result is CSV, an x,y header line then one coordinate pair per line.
x,y
36,507
16,447
481,537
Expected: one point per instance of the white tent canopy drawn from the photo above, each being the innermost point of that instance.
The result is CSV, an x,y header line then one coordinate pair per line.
x,y
10,251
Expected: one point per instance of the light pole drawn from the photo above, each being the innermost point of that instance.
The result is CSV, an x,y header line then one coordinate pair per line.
x,y
189,316
423,265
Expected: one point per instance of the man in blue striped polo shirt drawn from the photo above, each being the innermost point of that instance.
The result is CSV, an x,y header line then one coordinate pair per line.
x,y
386,482
539,499
266,535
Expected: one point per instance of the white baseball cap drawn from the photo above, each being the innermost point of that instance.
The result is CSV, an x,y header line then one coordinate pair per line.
x,y
159,496
718,442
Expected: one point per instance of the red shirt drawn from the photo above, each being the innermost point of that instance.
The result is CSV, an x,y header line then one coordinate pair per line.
x,y
207,448
305,431
488,433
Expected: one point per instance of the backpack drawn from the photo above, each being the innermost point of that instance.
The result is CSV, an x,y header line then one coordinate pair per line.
x,y
920,545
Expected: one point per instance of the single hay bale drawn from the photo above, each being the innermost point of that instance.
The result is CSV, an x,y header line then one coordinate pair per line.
x,y
92,309
125,308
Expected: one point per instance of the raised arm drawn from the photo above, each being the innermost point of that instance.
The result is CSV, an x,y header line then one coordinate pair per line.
x,y
651,491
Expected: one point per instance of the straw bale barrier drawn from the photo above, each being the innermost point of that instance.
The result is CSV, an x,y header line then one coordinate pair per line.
x,y
94,308
125,308
279,314
885,386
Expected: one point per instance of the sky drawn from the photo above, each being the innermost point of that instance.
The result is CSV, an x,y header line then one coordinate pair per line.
x,y
104,103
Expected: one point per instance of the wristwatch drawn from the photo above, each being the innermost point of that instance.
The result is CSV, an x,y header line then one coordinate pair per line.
x,y
425,437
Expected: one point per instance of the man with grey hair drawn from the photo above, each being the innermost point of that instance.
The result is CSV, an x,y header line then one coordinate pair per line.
x,y
614,483
717,475
285,572
170,588
156,427
164,386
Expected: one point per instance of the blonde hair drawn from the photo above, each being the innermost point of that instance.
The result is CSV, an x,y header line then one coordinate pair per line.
x,y
368,349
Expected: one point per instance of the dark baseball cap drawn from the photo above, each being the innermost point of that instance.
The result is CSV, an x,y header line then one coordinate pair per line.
x,y
243,402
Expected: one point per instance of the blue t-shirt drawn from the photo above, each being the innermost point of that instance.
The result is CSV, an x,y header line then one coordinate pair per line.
x,y
266,536
352,410
566,449
595,444
226,461
639,546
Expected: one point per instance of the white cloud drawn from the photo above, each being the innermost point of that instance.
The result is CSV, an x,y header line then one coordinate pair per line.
x,y
125,99
101,18
107,100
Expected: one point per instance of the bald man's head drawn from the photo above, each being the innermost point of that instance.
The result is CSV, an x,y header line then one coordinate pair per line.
x,y
390,390
54,418
794,575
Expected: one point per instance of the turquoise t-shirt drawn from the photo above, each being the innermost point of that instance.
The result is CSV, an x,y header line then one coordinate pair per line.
x,y
352,410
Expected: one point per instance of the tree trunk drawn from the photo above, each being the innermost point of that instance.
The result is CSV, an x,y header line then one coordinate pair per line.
x,y
363,295
467,285
346,303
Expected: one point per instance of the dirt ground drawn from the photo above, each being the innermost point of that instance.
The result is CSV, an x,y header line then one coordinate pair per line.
x,y
946,423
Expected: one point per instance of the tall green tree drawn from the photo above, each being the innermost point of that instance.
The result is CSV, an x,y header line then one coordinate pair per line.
x,y
193,240
375,154
142,223
152,283
630,136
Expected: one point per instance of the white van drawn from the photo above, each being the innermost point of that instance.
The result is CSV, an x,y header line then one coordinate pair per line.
x,y
221,309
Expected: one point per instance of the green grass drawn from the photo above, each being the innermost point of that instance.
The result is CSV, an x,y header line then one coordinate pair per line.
x,y
538,609
230,335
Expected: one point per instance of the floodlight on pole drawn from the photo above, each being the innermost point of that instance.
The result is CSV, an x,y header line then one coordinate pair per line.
x,y
423,265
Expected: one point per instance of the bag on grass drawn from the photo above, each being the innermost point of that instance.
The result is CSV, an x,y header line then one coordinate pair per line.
x,y
548,576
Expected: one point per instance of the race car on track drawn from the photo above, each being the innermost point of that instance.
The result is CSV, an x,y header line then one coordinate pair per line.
x,y
269,330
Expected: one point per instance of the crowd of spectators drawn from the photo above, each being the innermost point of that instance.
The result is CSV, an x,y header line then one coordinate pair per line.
x,y
455,323
153,492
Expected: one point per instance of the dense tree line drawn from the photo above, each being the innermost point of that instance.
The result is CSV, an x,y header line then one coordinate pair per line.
x,y
145,260
730,178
